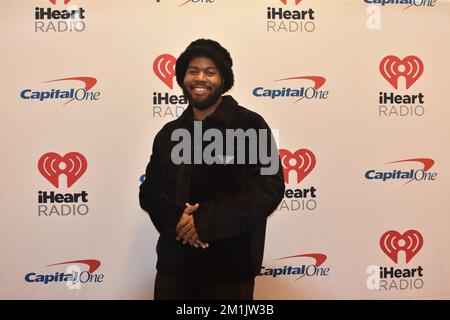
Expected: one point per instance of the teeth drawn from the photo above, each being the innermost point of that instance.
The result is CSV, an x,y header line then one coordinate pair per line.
x,y
200,89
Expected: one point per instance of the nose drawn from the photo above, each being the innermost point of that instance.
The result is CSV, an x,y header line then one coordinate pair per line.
x,y
200,76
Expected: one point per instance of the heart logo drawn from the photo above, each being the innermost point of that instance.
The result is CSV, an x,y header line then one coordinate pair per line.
x,y
392,242
411,68
51,165
302,162
296,1
164,68
54,1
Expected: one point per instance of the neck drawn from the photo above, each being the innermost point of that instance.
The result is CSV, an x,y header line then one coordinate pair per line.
x,y
202,114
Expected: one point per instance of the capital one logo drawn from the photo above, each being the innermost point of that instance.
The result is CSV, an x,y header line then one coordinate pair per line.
x,y
309,270
302,162
392,242
392,68
73,276
164,68
73,165
184,2
300,92
318,257
79,94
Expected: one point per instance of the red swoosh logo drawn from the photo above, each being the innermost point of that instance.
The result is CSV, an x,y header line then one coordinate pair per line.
x,y
184,3
427,164
319,257
89,82
318,82
93,264
408,6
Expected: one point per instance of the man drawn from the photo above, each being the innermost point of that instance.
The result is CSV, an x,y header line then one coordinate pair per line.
x,y
211,214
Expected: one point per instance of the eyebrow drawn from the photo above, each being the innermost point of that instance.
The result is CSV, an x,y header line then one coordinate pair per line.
x,y
208,68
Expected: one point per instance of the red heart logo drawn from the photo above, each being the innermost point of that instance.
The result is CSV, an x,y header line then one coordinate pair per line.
x,y
164,68
296,1
54,1
391,68
302,162
392,242
49,165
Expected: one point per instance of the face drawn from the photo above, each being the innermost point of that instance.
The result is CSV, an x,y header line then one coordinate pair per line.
x,y
203,83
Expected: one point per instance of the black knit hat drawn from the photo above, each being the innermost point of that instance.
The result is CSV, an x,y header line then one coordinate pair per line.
x,y
212,50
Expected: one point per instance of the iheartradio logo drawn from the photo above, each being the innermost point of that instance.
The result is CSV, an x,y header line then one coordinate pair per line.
x,y
73,165
392,278
301,161
392,68
392,242
164,68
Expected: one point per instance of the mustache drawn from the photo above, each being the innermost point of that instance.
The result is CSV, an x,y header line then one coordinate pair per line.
x,y
200,83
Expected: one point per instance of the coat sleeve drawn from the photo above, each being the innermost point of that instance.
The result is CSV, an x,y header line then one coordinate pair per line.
x,y
153,195
237,212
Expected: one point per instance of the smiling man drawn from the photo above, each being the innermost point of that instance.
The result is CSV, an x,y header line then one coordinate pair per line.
x,y
211,216
203,85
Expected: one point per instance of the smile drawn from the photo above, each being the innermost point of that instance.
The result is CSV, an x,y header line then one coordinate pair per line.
x,y
200,89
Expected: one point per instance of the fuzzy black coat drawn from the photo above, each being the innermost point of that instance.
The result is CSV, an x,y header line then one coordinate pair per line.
x,y
235,201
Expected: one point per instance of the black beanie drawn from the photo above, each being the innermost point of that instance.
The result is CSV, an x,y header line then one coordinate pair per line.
x,y
212,50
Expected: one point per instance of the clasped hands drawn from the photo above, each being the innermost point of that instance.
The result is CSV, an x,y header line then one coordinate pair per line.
x,y
185,229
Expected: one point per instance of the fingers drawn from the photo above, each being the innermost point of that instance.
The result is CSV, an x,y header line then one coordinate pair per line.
x,y
179,226
196,242
184,220
185,229
202,245
193,241
190,209
189,235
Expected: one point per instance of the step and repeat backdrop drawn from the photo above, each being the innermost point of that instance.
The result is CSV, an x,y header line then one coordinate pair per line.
x,y
356,89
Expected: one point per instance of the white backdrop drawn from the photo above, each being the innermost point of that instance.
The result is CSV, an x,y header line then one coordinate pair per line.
x,y
332,234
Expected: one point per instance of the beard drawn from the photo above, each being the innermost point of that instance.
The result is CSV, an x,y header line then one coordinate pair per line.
x,y
203,104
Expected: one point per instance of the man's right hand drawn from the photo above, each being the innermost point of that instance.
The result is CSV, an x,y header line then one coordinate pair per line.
x,y
185,228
